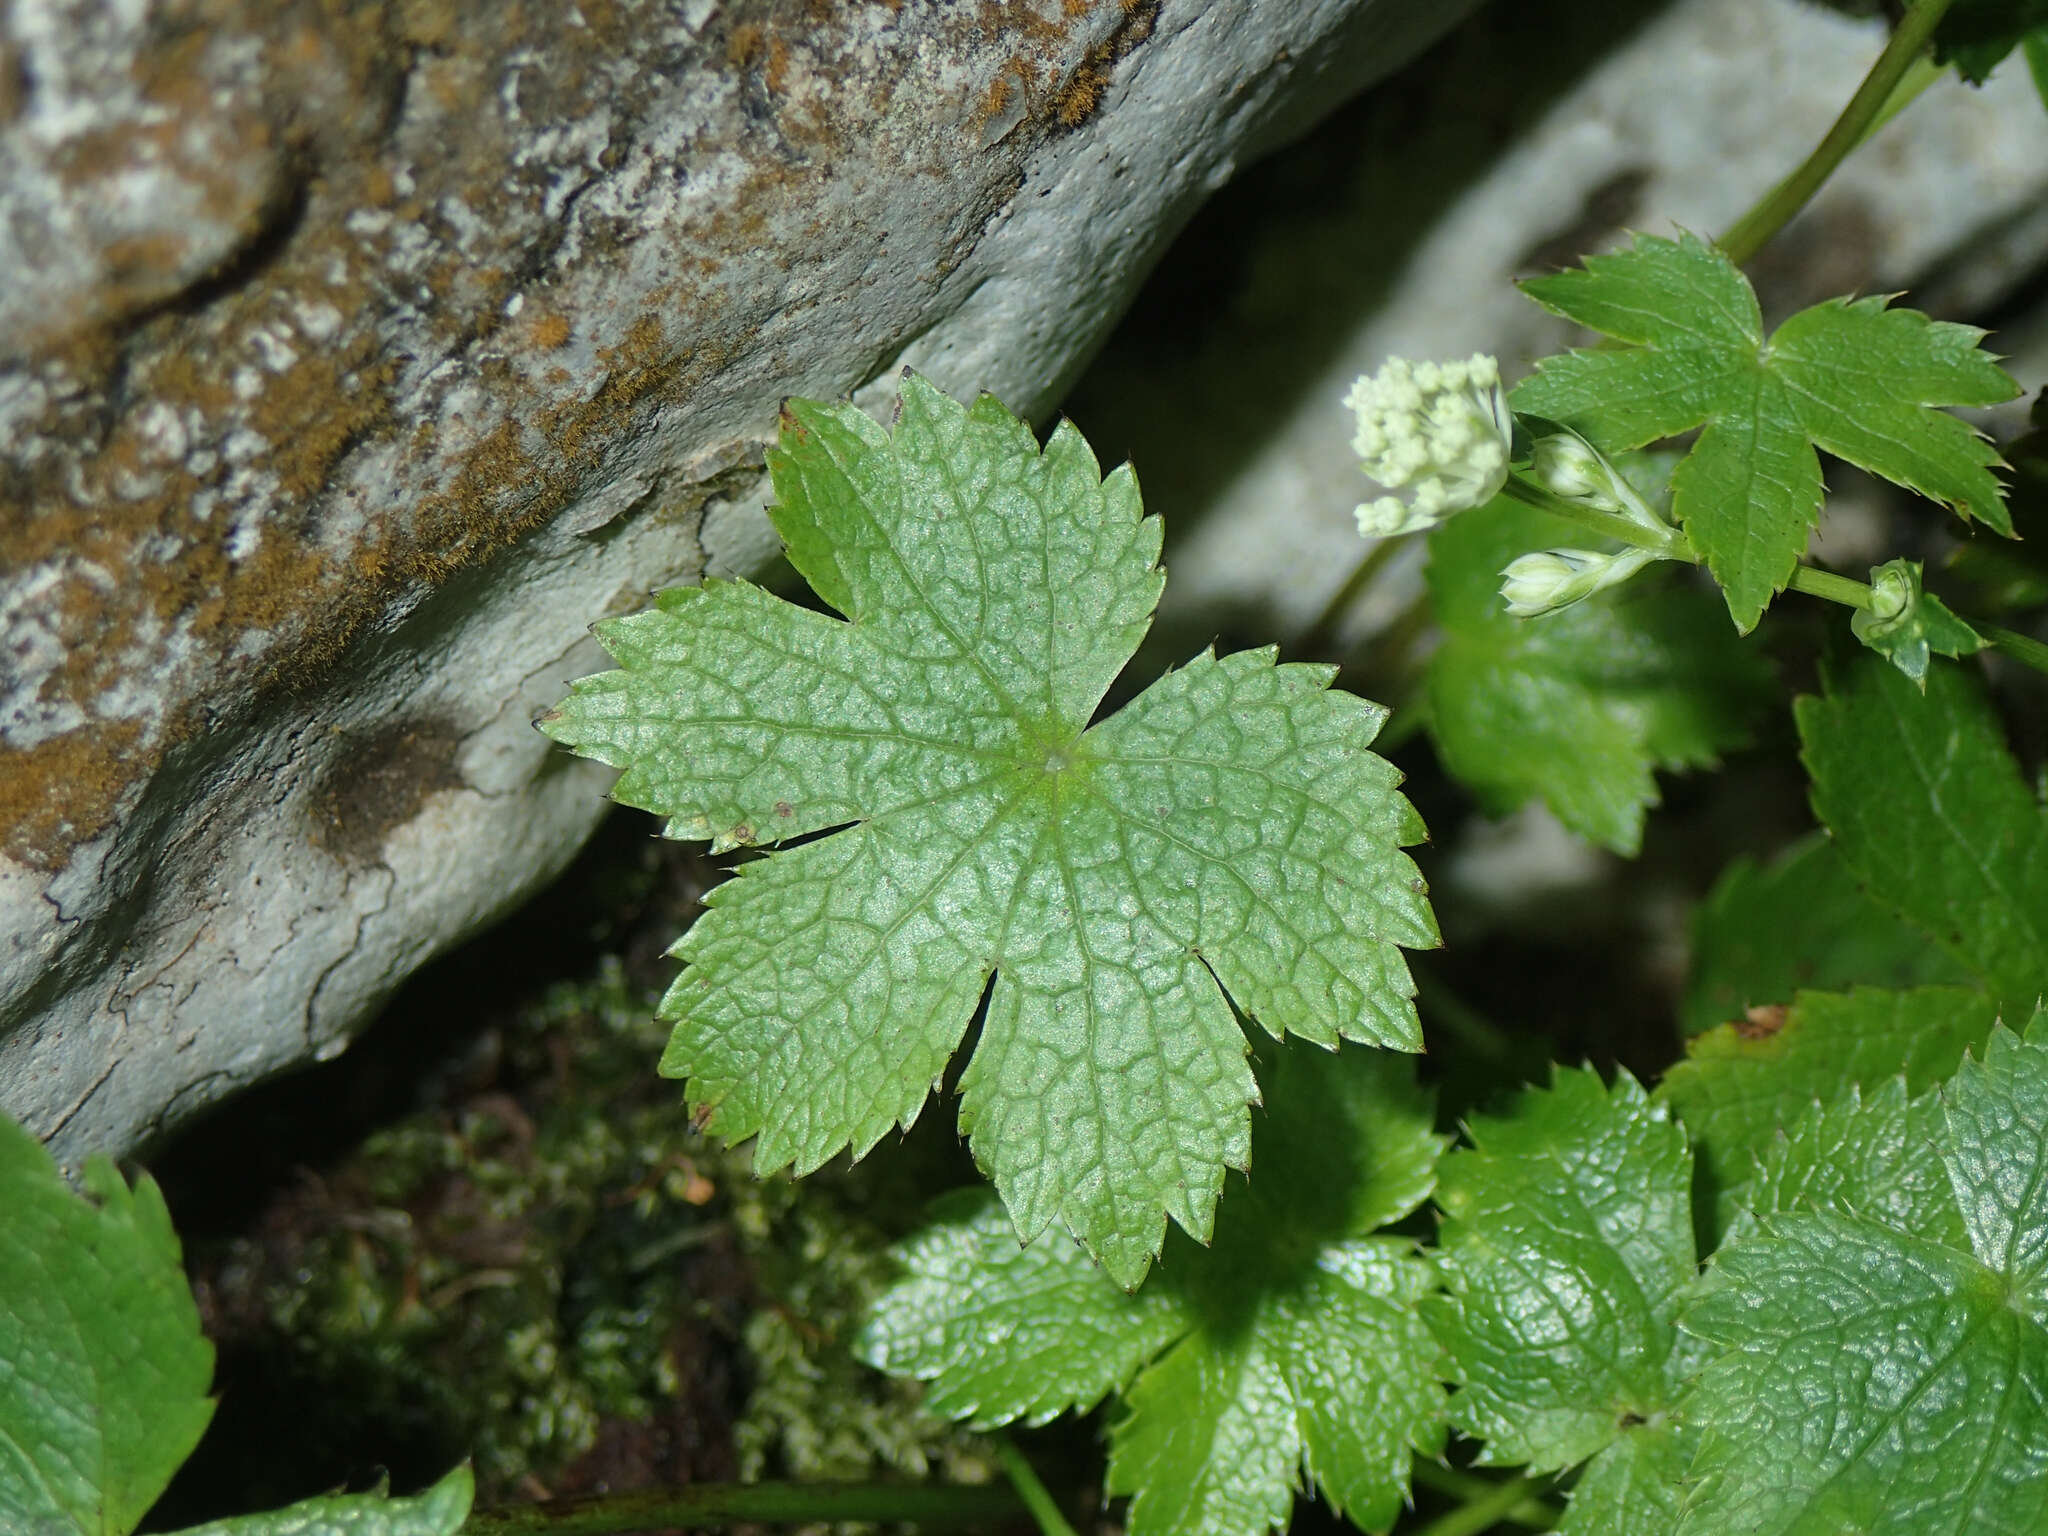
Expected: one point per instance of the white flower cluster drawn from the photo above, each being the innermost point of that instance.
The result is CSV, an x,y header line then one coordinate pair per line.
x,y
1437,434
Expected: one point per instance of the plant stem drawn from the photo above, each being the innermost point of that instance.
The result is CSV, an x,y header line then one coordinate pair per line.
x,y
1609,525
1321,636
2021,648
1854,594
1754,229
1487,1509
1815,582
1533,1512
659,1509
1033,1492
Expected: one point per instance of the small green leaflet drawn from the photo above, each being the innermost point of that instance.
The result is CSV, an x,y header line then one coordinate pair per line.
x,y
1929,810
1852,376
439,1511
1566,1245
1578,706
1226,833
1799,923
103,1369
1741,1082
1907,625
1291,1347
1876,1377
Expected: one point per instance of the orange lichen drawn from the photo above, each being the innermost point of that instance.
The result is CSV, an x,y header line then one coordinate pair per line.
x,y
548,331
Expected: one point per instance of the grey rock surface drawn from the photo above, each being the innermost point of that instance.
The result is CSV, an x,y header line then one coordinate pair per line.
x,y
354,359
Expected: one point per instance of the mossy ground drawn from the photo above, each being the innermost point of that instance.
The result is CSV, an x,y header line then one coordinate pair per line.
x,y
491,1231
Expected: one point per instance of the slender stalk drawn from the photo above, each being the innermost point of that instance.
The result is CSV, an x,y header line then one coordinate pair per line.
x,y
1533,1512
1854,594
1609,525
2021,648
1487,1509
1815,582
657,1509
1754,229
1321,636
1033,1492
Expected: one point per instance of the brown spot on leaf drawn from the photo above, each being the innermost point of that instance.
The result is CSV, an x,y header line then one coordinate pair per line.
x,y
1762,1021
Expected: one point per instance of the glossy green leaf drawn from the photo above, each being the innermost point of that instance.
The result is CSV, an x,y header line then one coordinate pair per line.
x,y
440,1511
1929,810
1874,1376
1289,1351
1566,1245
1877,1157
1740,1083
1635,1486
1854,377
1800,923
1226,838
1577,707
103,1369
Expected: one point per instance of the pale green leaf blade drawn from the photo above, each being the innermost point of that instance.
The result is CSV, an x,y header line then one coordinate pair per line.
x,y
1799,923
1360,1366
1230,826
865,953
1997,1154
103,1369
1295,1305
745,720
1871,1381
1209,1442
1928,808
1254,827
439,1511
1005,1331
1740,1083
1566,1243
1860,375
954,543
1633,1487
1576,707
1877,1157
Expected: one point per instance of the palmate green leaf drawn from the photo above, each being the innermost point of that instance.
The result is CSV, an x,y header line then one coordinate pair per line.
x,y
1877,1157
1227,832
103,1369
1929,810
1877,1377
1799,923
1578,706
1852,376
1740,1083
439,1511
1289,1348
1566,1246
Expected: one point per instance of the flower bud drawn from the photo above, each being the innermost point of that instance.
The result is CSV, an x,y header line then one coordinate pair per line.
x,y
1436,435
1556,578
1568,466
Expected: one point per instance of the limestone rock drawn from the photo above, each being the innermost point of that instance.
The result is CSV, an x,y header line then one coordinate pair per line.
x,y
354,358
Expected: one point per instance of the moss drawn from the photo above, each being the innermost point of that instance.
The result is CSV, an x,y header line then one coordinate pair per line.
x,y
545,1274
